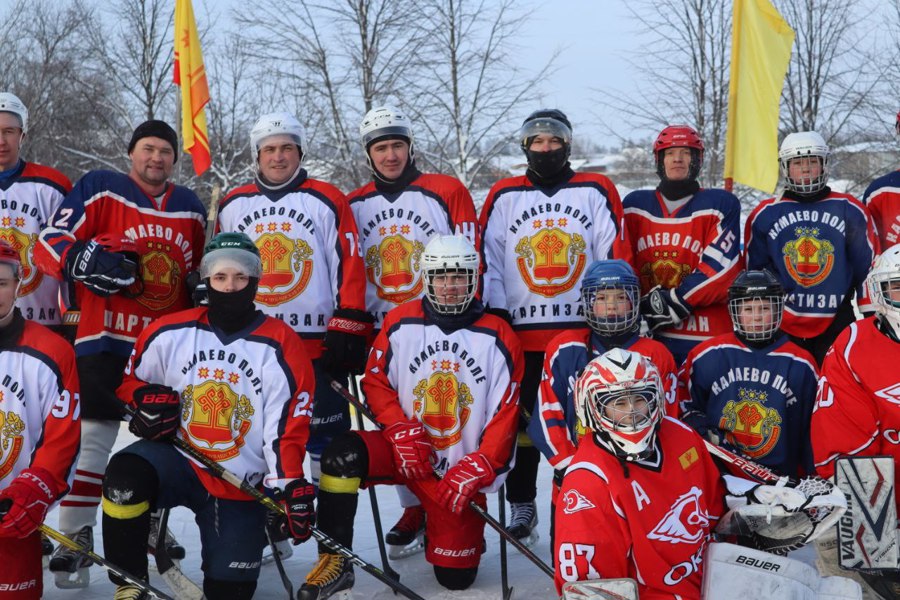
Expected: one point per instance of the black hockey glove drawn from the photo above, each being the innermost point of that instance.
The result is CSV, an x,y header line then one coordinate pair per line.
x,y
298,500
101,271
500,312
346,341
196,288
662,308
157,414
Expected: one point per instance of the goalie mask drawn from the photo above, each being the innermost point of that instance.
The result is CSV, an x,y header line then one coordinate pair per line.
x,y
756,305
610,295
883,283
809,177
618,397
450,269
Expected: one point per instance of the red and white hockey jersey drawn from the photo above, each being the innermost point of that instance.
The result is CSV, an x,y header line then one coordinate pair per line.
x,y
652,525
310,253
856,407
169,237
40,422
394,229
27,201
246,398
882,198
463,385
536,245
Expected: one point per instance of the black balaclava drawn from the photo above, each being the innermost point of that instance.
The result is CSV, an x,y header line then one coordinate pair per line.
x,y
232,311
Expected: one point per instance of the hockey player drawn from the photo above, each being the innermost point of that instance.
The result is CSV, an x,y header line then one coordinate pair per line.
x,y
882,198
540,231
642,494
31,193
39,432
818,243
443,379
235,384
686,245
396,214
753,390
126,242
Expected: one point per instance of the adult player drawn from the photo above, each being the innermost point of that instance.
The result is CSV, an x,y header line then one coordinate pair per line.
x,y
819,243
396,214
539,232
443,379
236,385
686,245
752,390
39,429
31,193
882,198
856,407
126,242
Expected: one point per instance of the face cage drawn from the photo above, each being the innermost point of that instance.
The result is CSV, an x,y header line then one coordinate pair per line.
x,y
767,333
815,185
612,325
632,439
450,309
881,298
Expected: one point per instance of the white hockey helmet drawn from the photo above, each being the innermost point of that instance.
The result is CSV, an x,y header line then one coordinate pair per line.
x,y
277,123
883,279
10,103
618,397
450,254
384,123
799,145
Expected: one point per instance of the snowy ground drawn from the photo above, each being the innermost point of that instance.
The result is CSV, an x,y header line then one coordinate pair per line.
x,y
528,581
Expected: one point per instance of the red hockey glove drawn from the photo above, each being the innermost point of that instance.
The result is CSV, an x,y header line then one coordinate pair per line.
x,y
298,501
413,453
463,481
158,412
662,308
26,501
345,342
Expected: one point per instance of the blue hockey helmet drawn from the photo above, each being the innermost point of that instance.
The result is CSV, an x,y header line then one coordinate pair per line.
x,y
610,294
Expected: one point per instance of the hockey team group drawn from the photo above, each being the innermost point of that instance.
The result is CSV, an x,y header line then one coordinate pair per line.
x,y
692,385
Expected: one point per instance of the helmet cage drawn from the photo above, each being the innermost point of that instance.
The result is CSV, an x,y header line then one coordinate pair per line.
x,y
609,320
882,280
442,306
449,255
767,328
804,144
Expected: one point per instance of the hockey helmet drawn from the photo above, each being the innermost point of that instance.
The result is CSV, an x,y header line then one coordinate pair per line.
x,y
232,249
883,283
278,123
9,256
610,296
450,255
385,123
618,396
10,103
552,122
679,136
804,144
757,321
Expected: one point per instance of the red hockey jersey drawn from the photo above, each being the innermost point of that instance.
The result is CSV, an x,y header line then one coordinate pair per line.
x,y
882,198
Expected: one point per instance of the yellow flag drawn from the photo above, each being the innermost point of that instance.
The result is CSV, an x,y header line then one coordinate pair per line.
x,y
190,74
761,43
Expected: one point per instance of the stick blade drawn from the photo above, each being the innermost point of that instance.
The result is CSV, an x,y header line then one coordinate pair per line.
x,y
601,589
867,532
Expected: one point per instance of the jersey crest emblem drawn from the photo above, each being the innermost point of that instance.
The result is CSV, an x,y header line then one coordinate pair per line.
x,y
393,267
214,415
685,523
749,424
161,276
24,245
287,264
664,268
551,261
442,404
574,501
808,259
11,440
890,393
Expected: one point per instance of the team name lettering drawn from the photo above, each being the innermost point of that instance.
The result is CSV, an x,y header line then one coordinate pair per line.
x,y
665,238
307,320
24,208
120,321
13,386
277,211
399,214
213,354
698,324
544,310
48,314
807,216
154,230
685,569
446,346
557,208
754,375
814,300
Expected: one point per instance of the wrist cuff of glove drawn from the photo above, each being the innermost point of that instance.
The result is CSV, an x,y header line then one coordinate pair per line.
x,y
351,321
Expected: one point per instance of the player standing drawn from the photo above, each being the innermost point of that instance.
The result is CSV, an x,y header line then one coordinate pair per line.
x,y
539,232
686,243
882,198
443,379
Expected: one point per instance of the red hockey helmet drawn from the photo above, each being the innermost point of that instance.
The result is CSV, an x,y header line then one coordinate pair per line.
x,y
9,256
897,123
679,136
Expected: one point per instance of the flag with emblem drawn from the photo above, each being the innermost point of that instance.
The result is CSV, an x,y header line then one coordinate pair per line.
x,y
190,74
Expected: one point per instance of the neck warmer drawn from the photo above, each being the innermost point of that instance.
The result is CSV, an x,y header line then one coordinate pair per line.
x,y
232,311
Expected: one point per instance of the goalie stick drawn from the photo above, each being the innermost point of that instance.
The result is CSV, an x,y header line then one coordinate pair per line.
x,y
600,589
180,584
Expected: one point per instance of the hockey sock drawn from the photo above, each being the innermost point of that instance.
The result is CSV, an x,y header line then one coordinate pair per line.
x,y
455,579
521,484
215,589
129,492
78,508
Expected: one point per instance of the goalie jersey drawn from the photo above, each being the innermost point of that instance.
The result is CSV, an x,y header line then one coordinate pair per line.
x,y
462,385
246,397
882,198
649,521
393,231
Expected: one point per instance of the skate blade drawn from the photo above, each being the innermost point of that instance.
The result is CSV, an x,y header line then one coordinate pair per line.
x,y
72,581
341,595
416,546
530,540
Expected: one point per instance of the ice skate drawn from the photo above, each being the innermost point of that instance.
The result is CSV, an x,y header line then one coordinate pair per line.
x,y
130,592
278,540
407,537
175,550
523,522
70,567
332,577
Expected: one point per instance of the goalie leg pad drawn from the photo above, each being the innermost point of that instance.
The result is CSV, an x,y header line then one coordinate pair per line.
x,y
867,533
601,589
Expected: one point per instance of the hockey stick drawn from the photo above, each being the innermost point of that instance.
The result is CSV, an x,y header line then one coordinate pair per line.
x,y
748,467
504,575
495,525
178,582
276,556
373,500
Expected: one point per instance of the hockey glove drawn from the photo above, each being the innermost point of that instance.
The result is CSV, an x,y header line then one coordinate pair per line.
x,y
101,271
662,308
463,481
157,414
346,341
26,500
196,288
502,313
298,500
413,453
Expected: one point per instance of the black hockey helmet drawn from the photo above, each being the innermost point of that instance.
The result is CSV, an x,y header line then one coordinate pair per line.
x,y
759,322
553,122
